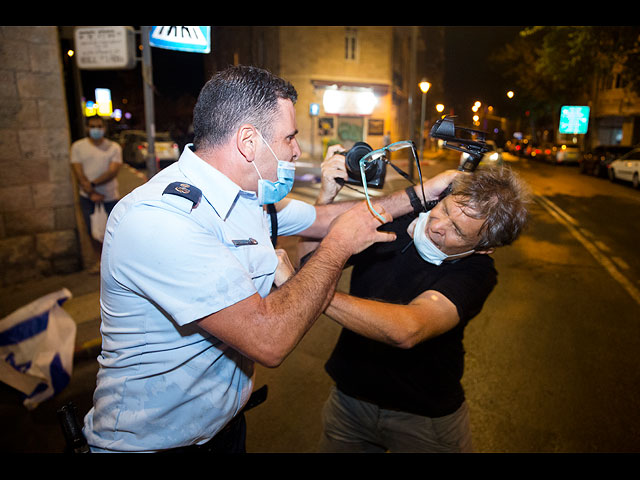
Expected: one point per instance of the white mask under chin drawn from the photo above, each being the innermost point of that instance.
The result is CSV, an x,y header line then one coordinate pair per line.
x,y
425,247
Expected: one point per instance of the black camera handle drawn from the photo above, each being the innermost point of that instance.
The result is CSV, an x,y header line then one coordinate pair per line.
x,y
445,129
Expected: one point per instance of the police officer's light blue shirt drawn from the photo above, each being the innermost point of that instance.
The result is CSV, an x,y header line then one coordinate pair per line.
x,y
163,381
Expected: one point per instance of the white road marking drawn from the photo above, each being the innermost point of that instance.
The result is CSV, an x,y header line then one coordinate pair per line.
x,y
573,227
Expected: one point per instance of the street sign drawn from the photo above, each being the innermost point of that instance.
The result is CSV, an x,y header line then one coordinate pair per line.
x,y
181,38
105,48
574,119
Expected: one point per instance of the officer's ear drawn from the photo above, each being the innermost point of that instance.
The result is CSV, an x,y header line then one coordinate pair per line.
x,y
247,141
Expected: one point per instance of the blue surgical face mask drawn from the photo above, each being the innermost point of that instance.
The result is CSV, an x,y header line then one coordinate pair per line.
x,y
426,248
96,133
273,192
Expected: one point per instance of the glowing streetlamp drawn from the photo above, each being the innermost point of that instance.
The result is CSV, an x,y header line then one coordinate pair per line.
x,y
424,87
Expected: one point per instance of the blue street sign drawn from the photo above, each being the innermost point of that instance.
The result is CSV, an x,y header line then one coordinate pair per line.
x,y
574,119
184,39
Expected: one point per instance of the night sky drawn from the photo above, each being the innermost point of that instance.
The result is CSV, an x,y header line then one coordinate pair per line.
x,y
469,76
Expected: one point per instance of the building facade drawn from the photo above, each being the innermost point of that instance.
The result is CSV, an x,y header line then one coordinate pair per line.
x,y
354,83
38,223
617,112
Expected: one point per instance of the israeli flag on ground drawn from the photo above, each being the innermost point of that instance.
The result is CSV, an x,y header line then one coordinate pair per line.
x,y
37,343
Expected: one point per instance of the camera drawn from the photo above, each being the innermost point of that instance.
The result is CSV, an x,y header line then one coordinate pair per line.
x,y
466,140
375,170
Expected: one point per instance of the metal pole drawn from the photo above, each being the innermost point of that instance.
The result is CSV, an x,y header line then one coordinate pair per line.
x,y
149,113
412,87
424,100
312,150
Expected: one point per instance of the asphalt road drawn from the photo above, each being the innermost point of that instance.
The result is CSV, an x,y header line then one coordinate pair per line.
x,y
551,361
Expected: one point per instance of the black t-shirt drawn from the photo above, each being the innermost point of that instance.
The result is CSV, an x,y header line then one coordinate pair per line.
x,y
425,379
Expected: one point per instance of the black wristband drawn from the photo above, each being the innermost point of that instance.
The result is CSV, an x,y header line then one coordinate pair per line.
x,y
417,205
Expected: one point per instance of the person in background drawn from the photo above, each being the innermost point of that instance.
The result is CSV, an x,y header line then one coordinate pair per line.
x,y
95,162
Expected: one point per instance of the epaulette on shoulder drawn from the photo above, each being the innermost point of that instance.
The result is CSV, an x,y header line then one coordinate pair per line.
x,y
182,190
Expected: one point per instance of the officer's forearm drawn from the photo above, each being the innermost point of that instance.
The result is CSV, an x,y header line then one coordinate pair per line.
x,y
267,329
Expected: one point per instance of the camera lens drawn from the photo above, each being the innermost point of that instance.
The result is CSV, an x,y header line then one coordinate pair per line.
x,y
352,161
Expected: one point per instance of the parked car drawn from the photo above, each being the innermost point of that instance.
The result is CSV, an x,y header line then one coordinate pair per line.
x,y
539,152
626,168
515,147
134,148
491,157
563,154
596,161
528,148
518,147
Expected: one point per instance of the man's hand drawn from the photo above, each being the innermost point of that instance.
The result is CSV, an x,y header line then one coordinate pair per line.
x,y
356,229
333,167
96,197
284,270
436,185
85,185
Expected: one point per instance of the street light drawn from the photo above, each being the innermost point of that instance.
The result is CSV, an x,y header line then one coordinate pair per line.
x,y
424,87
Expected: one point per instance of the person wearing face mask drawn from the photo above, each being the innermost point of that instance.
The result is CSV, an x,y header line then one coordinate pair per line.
x,y
398,361
187,299
95,162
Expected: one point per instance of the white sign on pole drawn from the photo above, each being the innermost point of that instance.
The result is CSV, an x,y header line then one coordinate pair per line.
x,y
183,38
105,48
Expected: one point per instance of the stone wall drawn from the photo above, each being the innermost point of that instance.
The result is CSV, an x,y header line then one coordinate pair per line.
x,y
38,234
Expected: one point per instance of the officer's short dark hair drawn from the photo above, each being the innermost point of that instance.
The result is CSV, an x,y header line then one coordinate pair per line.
x,y
240,94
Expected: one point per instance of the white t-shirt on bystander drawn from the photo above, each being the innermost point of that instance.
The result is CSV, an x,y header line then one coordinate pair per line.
x,y
95,160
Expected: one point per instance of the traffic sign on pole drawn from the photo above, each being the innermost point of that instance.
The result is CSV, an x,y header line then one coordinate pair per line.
x,y
574,119
182,38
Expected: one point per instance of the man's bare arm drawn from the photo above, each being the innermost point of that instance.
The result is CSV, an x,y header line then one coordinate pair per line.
x,y
403,326
267,329
111,173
